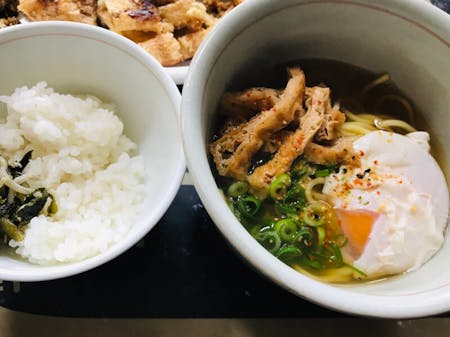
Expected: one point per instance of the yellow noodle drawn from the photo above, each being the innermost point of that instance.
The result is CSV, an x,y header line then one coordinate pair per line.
x,y
374,83
403,101
394,123
356,128
359,117
335,275
353,103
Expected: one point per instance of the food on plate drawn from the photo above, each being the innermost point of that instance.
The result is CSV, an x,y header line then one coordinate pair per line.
x,y
71,181
66,10
334,187
8,13
170,30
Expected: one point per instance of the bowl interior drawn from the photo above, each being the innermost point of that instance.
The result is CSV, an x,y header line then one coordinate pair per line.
x,y
408,39
76,59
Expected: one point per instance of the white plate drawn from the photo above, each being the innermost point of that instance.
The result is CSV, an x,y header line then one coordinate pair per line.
x,y
178,73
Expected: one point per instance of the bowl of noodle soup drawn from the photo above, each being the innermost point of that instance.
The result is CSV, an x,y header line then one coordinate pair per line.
x,y
321,155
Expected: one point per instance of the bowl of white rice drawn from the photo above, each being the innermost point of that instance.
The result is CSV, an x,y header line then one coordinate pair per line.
x,y
90,153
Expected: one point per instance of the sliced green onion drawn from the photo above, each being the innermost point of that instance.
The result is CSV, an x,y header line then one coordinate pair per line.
x,y
314,214
279,186
312,263
294,201
325,172
269,240
288,253
248,205
363,274
237,189
299,169
286,228
322,173
337,254
302,236
320,236
255,230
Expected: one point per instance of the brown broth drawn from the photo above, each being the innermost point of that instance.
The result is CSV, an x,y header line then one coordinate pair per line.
x,y
343,79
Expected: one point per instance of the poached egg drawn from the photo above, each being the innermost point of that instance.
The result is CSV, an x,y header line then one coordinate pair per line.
x,y
393,209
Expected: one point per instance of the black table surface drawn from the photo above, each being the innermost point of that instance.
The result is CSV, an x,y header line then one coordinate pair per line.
x,y
182,269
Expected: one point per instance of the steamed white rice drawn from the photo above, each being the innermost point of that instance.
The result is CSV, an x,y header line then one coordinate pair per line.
x,y
82,158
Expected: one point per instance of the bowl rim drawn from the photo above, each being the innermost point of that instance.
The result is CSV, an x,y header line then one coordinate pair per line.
x,y
149,62
337,298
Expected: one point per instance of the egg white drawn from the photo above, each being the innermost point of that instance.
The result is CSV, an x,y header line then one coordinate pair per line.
x,y
399,180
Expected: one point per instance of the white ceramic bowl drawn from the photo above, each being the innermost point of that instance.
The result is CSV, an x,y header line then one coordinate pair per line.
x,y
80,59
410,39
178,73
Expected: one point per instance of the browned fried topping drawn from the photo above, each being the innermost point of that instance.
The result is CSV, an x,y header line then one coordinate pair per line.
x,y
285,124
180,25
341,152
233,152
145,11
84,11
294,144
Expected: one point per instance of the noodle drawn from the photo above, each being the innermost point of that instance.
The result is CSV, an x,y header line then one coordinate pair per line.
x,y
352,102
6,179
403,101
396,123
359,124
349,129
375,82
359,117
335,275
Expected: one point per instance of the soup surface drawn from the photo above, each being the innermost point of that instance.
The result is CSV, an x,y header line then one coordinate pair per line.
x,y
325,169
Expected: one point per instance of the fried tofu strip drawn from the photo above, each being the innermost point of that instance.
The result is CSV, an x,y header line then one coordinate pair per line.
x,y
188,14
245,104
83,11
132,15
189,43
233,152
221,7
341,152
295,144
165,48
329,130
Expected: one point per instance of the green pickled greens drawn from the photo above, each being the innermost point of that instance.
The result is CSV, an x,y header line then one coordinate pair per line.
x,y
18,208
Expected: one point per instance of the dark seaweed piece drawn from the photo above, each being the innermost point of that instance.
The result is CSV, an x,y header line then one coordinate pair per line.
x,y
4,190
31,208
6,208
17,170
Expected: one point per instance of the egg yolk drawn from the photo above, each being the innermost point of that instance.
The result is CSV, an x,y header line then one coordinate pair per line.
x,y
356,225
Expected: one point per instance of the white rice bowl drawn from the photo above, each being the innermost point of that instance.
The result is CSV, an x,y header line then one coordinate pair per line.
x,y
82,158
